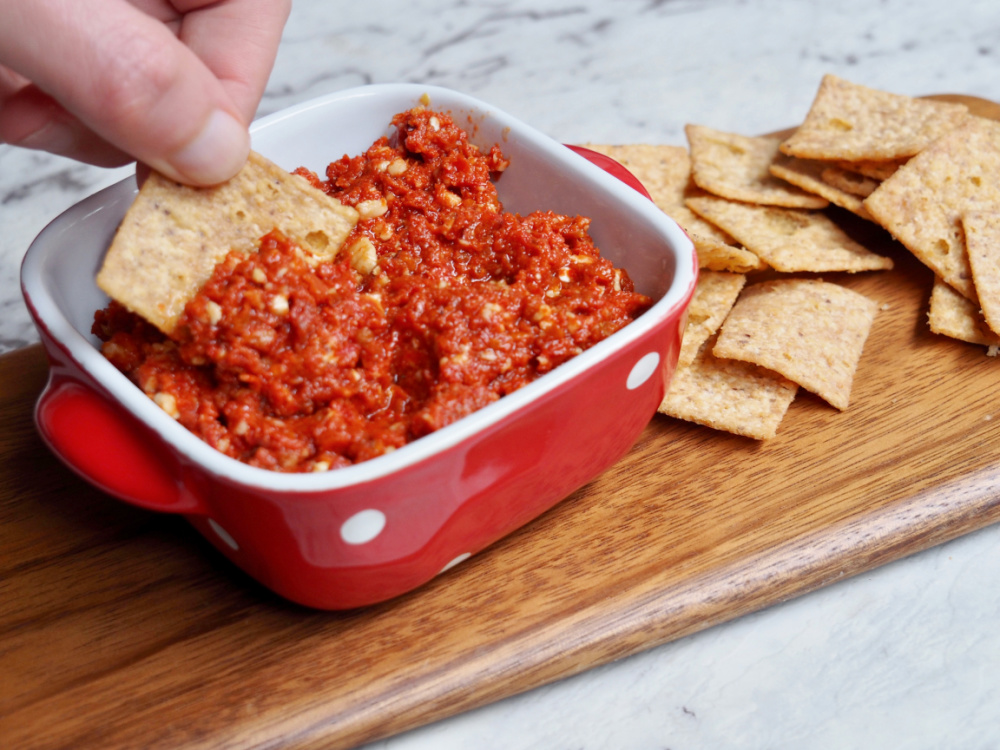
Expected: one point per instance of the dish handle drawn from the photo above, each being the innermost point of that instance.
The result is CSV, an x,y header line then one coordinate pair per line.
x,y
102,445
611,166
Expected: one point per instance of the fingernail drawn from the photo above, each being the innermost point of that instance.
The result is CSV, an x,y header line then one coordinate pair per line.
x,y
217,152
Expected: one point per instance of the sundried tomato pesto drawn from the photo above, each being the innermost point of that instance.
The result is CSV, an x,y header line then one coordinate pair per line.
x,y
439,303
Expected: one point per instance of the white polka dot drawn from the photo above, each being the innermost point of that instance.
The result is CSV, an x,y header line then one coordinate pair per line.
x,y
461,558
363,527
642,371
223,534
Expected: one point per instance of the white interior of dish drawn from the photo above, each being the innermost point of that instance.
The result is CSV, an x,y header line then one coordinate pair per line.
x,y
60,266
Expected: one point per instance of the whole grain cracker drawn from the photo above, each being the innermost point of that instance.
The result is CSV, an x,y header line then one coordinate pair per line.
x,y
849,181
954,315
789,240
173,235
714,296
808,175
665,172
921,205
982,242
728,395
873,169
716,250
811,332
854,122
737,167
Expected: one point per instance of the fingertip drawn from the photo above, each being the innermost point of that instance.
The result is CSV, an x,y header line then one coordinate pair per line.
x,y
214,155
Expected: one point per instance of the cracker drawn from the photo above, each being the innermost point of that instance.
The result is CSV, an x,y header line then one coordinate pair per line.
x,y
665,171
875,170
811,332
808,175
789,240
982,242
848,180
713,298
854,122
717,251
956,316
737,167
173,235
921,205
728,395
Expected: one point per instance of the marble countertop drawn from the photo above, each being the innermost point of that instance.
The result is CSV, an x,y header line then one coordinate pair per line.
x,y
904,657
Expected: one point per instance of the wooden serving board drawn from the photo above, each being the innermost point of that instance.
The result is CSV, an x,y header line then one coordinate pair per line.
x,y
123,628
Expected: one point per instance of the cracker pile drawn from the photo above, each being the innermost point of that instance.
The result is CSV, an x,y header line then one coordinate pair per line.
x,y
754,206
924,170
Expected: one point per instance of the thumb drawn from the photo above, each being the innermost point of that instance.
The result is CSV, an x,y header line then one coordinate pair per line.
x,y
126,77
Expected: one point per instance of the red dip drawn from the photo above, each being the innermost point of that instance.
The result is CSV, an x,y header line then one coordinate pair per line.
x,y
438,304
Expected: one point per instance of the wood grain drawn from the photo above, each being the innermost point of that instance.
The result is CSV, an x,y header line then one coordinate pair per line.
x,y
122,628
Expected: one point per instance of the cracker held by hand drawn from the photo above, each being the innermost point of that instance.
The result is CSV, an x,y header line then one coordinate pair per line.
x,y
713,298
665,171
728,395
788,239
922,204
812,332
173,235
737,167
854,122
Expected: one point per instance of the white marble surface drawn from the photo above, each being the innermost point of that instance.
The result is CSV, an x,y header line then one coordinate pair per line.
x,y
905,657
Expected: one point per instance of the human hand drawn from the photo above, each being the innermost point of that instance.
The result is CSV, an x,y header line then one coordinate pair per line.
x,y
173,84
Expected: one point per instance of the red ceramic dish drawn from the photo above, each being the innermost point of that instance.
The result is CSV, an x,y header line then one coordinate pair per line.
x,y
366,533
